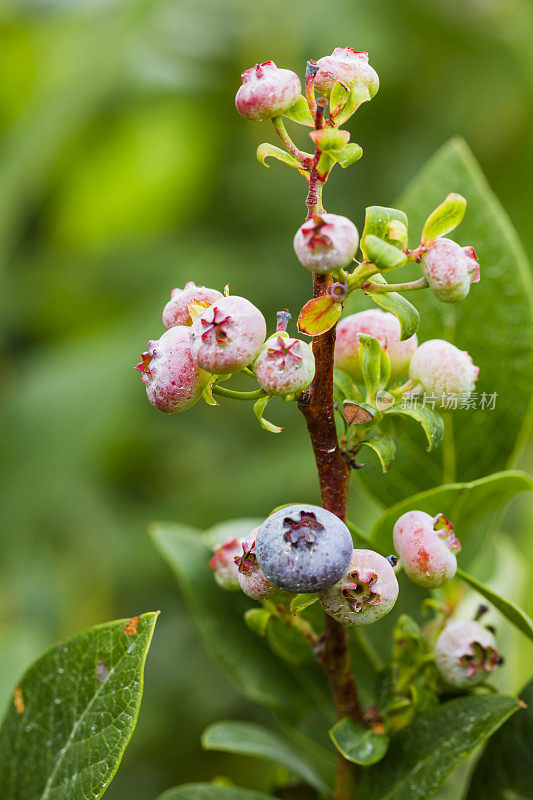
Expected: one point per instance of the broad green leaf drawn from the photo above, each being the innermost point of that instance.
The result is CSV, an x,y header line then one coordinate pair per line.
x,y
74,712
509,610
247,738
504,770
494,324
385,449
247,659
267,150
211,791
300,113
358,744
397,304
474,509
424,753
319,315
383,255
430,420
259,410
378,221
445,218
348,156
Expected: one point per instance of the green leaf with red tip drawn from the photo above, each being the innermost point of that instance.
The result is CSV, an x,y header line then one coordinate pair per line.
x,y
319,315
385,449
383,255
445,218
381,222
430,421
300,113
510,610
330,140
73,713
405,311
349,155
267,150
358,744
259,408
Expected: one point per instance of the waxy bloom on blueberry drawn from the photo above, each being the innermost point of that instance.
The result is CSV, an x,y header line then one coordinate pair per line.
x,y
267,91
442,369
465,653
450,269
366,593
303,548
223,562
381,325
427,547
228,335
348,66
326,242
176,311
173,380
251,577
284,365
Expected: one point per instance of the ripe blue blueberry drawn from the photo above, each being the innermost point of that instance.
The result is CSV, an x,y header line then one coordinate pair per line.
x,y
303,548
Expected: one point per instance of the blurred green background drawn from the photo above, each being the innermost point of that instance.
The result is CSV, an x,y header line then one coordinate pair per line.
x,y
124,172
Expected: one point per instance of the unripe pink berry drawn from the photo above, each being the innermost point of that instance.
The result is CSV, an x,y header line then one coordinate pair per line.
x,y
348,66
426,546
465,653
450,269
326,242
367,592
284,365
223,562
251,577
228,335
381,325
442,369
172,378
267,91
176,311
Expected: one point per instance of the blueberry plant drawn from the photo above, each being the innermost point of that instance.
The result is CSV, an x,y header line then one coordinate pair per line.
x,y
382,673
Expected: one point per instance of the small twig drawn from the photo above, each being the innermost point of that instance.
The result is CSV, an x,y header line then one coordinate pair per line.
x,y
381,288
310,73
281,130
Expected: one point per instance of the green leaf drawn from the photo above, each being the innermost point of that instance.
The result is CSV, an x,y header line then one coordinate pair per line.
x,y
74,712
319,315
385,449
302,601
259,410
257,620
338,98
211,791
286,642
473,508
370,360
247,738
397,304
378,221
358,744
345,385
359,94
300,113
445,218
383,255
504,770
512,612
267,150
424,753
430,421
247,660
348,156
494,324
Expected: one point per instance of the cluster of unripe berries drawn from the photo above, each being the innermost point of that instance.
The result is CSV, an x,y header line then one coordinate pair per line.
x,y
435,366
306,549
208,335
